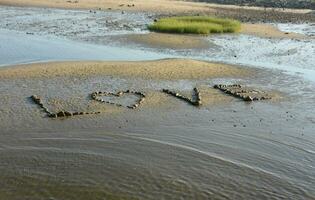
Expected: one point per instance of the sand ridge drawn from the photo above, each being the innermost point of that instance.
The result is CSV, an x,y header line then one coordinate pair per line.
x,y
166,69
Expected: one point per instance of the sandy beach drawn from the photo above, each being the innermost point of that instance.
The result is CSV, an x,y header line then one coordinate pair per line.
x,y
94,106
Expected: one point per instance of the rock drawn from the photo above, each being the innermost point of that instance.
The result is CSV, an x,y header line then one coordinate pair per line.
x,y
46,110
68,114
52,115
61,114
36,99
248,98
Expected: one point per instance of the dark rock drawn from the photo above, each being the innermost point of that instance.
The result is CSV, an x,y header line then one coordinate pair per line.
x,y
52,115
248,98
61,114
68,114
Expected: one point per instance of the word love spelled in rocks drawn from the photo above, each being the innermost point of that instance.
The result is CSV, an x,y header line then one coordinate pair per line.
x,y
195,100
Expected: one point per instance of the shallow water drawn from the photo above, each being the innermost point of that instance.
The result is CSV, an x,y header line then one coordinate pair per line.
x,y
17,48
167,149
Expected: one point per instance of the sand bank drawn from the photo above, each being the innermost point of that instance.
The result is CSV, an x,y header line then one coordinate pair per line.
x,y
269,31
163,40
178,41
168,69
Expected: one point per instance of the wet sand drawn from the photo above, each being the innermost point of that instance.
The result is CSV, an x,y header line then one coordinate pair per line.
x,y
165,147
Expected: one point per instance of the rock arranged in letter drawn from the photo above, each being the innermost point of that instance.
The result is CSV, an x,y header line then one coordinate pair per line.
x,y
97,97
195,100
244,93
37,100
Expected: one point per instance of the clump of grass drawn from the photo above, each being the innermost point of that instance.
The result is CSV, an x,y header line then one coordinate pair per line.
x,y
195,25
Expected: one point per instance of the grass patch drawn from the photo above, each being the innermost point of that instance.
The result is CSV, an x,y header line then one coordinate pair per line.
x,y
195,25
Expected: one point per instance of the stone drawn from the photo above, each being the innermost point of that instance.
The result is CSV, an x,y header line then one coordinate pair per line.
x,y
52,115
68,114
35,98
61,114
248,98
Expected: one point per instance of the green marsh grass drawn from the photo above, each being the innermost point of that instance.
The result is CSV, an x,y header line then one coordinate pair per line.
x,y
195,25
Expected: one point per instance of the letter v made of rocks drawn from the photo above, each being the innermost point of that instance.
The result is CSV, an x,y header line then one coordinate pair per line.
x,y
195,100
